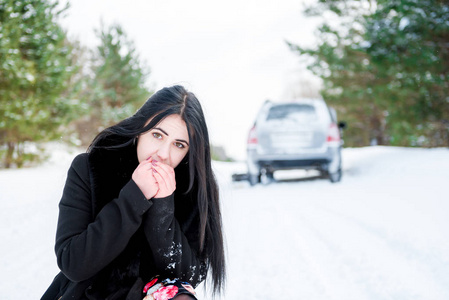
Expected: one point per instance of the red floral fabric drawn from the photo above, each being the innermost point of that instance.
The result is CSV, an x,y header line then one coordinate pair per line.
x,y
166,289
166,292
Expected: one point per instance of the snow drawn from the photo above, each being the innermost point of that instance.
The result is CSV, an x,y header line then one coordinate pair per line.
x,y
381,233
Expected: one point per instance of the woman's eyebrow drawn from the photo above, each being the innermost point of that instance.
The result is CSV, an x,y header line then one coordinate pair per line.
x,y
164,132
184,141
160,129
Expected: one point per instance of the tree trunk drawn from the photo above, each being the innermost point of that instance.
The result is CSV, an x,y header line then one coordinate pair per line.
x,y
378,129
9,154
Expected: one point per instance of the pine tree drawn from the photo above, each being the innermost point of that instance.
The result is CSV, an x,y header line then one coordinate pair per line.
x,y
35,71
385,68
408,42
118,84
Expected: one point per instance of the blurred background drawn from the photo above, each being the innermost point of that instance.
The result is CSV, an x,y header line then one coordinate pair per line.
x,y
69,69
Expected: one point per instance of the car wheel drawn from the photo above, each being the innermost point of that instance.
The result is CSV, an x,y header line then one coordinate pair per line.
x,y
253,179
333,169
266,178
335,176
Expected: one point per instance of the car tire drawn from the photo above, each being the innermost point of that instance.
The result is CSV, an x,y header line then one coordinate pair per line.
x,y
266,178
335,176
253,179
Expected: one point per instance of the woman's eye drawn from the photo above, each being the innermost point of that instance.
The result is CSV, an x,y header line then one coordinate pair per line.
x,y
157,135
179,145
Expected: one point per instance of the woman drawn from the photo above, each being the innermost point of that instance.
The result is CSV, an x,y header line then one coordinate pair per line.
x,y
142,202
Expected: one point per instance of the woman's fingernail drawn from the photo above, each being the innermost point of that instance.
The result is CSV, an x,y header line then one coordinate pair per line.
x,y
154,162
154,171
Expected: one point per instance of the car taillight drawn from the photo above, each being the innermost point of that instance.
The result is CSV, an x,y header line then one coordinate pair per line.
x,y
252,136
334,134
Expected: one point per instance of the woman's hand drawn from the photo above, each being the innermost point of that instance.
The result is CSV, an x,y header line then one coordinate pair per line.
x,y
143,177
165,177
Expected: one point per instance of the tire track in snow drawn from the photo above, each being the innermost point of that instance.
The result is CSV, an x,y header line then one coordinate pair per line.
x,y
370,261
433,264
324,262
258,247
288,251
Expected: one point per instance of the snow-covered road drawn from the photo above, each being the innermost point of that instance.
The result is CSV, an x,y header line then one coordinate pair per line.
x,y
382,233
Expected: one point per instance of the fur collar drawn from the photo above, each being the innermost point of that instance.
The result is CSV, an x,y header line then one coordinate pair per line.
x,y
110,170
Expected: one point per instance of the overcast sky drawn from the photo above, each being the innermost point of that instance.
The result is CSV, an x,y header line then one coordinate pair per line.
x,y
231,54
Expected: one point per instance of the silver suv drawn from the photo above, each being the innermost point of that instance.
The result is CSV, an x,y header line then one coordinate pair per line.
x,y
302,134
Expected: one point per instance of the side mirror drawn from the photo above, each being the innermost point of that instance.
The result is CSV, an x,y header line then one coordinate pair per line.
x,y
342,125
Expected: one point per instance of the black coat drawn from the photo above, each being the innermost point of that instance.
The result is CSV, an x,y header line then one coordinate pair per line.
x,y
111,240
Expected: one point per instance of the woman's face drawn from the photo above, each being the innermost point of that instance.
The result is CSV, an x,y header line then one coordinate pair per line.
x,y
167,142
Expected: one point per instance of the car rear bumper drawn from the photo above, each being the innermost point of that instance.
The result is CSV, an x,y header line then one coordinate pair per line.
x,y
271,163
291,164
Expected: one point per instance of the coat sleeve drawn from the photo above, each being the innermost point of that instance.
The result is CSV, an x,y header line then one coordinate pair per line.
x,y
85,245
174,254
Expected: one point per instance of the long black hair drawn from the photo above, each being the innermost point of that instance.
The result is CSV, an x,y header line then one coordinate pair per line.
x,y
196,166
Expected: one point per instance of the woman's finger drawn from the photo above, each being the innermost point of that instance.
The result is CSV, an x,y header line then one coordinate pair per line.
x,y
169,178
167,183
145,165
166,167
145,180
165,170
159,179
164,188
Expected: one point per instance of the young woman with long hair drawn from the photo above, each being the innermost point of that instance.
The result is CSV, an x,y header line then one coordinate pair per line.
x,y
140,214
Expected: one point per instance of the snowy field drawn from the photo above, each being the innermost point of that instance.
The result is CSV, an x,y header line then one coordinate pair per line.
x,y
381,233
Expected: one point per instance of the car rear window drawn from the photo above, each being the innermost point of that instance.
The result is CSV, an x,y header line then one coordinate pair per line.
x,y
301,112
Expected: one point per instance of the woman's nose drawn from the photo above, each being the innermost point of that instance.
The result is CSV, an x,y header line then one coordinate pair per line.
x,y
163,152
